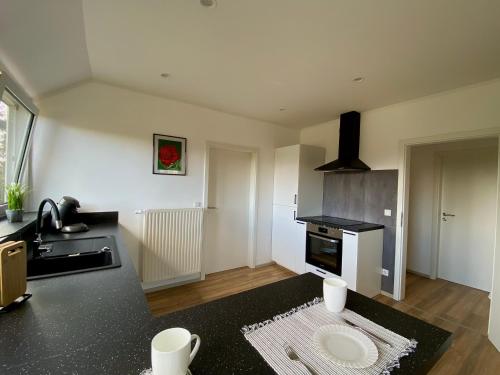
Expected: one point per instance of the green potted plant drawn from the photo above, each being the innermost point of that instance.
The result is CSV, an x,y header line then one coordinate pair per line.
x,y
15,198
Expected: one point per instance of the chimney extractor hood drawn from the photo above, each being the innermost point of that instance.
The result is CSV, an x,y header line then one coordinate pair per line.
x,y
348,160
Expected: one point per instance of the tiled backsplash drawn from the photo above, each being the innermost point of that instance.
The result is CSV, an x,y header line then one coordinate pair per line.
x,y
364,196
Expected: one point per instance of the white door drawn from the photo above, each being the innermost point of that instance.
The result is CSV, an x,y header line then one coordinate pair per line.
x,y
227,220
286,175
467,239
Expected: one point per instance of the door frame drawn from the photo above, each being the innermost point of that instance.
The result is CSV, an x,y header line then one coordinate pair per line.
x,y
404,193
253,196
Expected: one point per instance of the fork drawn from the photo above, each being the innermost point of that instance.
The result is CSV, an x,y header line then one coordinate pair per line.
x,y
295,357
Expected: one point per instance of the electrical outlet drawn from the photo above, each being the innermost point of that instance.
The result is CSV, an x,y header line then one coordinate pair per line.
x,y
385,272
387,212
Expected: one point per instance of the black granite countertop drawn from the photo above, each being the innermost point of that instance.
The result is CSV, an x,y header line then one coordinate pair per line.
x,y
99,323
325,221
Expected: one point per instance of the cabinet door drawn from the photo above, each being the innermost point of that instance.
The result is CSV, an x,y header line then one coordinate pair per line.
x,y
286,175
284,246
350,259
300,247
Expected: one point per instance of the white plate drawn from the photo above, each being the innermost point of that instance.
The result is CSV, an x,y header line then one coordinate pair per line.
x,y
345,346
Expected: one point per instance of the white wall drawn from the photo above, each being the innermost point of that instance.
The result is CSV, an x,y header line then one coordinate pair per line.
x,y
423,175
470,108
94,142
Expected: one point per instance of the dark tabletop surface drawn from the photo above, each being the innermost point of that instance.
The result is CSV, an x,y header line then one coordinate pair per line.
x,y
325,221
99,323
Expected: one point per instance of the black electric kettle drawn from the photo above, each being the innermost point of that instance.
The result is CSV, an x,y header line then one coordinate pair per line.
x,y
68,211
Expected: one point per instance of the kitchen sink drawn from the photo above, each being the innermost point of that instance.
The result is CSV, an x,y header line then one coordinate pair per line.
x,y
69,256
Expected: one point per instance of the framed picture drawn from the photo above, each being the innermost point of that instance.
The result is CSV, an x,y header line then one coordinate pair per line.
x,y
169,155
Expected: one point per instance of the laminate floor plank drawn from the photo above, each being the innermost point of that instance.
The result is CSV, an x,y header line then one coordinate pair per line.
x,y
458,309
215,286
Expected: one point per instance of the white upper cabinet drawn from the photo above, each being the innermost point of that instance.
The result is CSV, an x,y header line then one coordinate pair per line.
x,y
286,175
296,183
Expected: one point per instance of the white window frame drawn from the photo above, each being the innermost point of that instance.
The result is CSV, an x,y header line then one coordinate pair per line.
x,y
9,85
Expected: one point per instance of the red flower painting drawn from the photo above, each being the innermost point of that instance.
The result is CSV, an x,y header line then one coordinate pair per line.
x,y
168,155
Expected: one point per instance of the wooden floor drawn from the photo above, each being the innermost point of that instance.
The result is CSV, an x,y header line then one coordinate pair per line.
x,y
456,308
215,286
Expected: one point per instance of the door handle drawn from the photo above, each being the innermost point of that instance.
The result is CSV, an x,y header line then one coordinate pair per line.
x,y
295,199
294,215
445,214
323,238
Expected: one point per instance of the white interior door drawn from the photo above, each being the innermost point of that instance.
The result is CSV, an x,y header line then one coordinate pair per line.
x,y
467,239
227,220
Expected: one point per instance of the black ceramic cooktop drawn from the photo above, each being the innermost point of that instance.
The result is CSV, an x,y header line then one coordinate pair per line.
x,y
341,223
336,221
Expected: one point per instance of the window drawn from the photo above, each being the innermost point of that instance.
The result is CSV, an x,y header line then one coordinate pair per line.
x,y
17,116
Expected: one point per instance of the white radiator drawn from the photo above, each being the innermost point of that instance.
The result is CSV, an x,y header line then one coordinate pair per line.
x,y
171,243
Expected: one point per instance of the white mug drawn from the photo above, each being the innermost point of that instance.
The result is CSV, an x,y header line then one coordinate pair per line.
x,y
171,351
334,294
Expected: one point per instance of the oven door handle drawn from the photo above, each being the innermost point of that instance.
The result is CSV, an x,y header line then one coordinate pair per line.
x,y
323,238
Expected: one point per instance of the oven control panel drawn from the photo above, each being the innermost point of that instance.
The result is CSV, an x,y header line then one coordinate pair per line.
x,y
325,231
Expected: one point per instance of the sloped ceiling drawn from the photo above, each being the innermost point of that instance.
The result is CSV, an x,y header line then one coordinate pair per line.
x,y
42,43
256,57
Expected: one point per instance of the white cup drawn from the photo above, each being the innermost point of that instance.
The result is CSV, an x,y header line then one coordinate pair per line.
x,y
334,294
171,351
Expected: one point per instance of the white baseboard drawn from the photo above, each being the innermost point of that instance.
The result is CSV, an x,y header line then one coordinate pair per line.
x,y
387,294
265,264
149,287
419,273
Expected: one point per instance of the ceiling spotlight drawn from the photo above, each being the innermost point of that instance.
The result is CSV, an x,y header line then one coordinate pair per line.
x,y
164,75
358,79
208,3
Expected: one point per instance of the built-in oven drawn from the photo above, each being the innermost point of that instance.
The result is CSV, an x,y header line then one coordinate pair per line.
x,y
324,248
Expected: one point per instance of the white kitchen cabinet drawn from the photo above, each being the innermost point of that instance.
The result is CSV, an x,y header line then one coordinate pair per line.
x,y
361,262
350,255
298,191
300,245
286,175
289,239
296,183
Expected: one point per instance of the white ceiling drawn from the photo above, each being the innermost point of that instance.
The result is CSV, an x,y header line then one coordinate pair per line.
x,y
251,57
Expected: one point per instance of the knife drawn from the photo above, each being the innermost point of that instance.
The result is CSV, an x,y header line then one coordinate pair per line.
x,y
372,335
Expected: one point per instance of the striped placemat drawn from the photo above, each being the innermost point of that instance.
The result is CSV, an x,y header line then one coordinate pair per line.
x,y
296,329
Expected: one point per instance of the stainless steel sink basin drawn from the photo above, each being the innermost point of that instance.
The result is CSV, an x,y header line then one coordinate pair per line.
x,y
63,257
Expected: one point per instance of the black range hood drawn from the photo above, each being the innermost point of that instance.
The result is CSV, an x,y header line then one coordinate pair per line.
x,y
348,160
